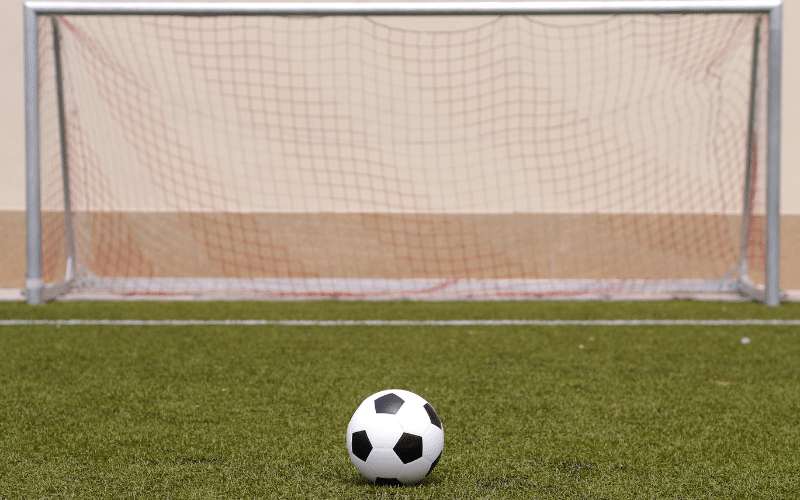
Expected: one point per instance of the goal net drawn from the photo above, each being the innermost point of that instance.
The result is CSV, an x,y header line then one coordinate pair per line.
x,y
390,156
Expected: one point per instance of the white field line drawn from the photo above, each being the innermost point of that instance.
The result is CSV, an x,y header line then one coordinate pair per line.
x,y
459,322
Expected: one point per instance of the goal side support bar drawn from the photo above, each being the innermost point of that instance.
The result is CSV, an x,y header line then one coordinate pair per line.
x,y
37,292
33,209
774,76
35,289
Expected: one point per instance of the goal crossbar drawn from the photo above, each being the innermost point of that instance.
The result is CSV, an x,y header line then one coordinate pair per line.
x,y
37,291
404,8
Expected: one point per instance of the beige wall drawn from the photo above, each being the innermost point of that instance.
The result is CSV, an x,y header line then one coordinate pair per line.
x,y
12,142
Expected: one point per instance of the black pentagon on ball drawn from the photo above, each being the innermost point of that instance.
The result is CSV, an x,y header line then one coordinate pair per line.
x,y
385,481
389,403
408,447
361,445
435,420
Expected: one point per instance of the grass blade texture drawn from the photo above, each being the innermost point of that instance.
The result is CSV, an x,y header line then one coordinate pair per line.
x,y
531,411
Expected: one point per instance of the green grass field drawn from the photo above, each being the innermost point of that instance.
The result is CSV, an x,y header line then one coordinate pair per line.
x,y
530,411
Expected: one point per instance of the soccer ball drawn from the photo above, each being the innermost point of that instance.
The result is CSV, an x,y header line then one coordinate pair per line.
x,y
395,437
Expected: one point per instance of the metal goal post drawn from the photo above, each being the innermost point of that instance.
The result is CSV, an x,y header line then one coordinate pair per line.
x,y
38,292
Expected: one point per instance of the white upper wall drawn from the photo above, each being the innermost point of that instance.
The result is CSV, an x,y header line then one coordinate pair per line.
x,y
12,156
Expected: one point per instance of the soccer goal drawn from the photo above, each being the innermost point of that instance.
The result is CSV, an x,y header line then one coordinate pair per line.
x,y
488,150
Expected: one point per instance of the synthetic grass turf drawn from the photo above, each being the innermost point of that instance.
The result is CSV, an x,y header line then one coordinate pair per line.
x,y
260,412
401,310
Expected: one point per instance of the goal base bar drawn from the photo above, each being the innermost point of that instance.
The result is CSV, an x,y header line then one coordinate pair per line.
x,y
408,289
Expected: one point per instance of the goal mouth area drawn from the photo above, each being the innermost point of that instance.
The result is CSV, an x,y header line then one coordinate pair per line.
x,y
336,153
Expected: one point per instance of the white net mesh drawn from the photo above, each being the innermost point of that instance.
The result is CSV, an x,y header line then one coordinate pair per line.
x,y
334,156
